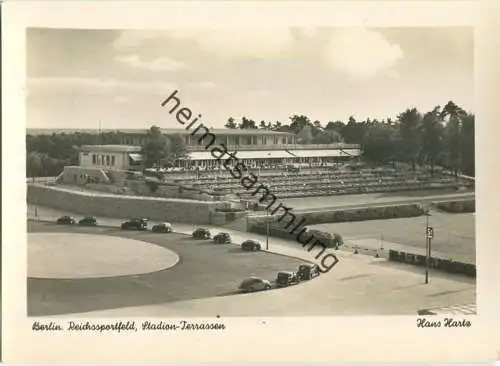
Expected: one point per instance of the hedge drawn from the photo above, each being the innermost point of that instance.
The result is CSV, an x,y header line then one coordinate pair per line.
x,y
229,209
457,206
446,265
363,214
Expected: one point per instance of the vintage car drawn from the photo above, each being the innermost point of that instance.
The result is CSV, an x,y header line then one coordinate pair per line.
x,y
329,240
308,271
66,220
253,284
136,223
201,233
88,221
222,238
164,227
286,278
251,245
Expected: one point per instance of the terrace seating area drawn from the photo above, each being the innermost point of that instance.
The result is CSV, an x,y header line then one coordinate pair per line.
x,y
313,183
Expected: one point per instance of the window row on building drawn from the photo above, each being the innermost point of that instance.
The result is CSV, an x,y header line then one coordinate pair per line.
x,y
98,159
227,140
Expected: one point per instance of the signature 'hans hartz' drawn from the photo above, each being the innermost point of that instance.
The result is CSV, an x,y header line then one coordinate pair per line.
x,y
445,323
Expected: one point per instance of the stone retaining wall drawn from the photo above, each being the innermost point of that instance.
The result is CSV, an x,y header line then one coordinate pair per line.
x,y
108,205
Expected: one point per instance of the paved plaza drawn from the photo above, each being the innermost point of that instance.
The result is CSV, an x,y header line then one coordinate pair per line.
x,y
357,285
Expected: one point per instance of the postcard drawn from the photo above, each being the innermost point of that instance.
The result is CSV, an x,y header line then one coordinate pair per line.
x,y
248,181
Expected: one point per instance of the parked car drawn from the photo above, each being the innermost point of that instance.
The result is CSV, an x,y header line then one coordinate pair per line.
x,y
253,284
286,278
137,223
222,238
251,245
308,271
66,220
164,227
202,233
329,240
88,221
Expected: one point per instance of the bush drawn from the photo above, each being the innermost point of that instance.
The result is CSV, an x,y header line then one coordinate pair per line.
x,y
445,265
363,214
228,209
153,186
457,206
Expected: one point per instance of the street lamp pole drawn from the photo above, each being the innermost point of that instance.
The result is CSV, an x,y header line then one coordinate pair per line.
x,y
427,246
267,229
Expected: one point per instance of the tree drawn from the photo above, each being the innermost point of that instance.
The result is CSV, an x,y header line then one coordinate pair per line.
x,y
353,132
468,144
34,167
177,150
432,136
156,148
409,129
335,126
305,136
231,124
451,110
247,124
327,137
298,122
317,124
276,126
379,143
454,116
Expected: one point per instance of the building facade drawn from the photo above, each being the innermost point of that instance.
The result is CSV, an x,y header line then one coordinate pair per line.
x,y
120,157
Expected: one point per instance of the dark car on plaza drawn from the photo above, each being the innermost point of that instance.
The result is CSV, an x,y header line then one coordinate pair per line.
x,y
222,238
253,284
164,227
201,233
308,271
88,221
66,220
329,240
137,223
251,245
286,278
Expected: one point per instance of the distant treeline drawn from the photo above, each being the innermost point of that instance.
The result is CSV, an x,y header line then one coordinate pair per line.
x,y
443,136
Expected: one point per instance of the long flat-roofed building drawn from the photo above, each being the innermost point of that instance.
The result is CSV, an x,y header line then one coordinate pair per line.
x,y
254,147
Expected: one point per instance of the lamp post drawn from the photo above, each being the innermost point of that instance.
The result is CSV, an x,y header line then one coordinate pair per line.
x,y
429,233
269,218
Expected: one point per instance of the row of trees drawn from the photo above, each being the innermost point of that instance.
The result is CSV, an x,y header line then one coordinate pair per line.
x,y
443,136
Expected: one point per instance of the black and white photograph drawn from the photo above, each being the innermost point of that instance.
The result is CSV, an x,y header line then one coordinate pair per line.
x,y
238,173
250,172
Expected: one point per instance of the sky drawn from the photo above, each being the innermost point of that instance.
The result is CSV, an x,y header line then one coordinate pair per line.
x,y
79,78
